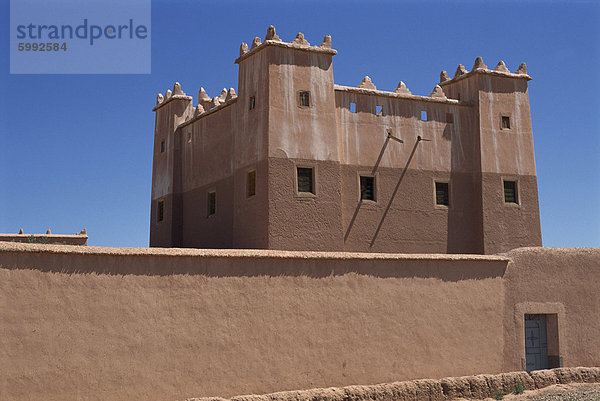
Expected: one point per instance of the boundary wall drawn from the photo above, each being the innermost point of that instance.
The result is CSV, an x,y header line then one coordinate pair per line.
x,y
150,323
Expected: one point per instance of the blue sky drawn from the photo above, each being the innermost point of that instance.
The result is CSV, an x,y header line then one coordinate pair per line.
x,y
77,149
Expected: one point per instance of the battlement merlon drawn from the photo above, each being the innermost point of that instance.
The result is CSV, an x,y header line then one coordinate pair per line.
x,y
480,68
175,94
271,39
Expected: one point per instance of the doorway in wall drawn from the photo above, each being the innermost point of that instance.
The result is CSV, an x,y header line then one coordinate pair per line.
x,y
541,342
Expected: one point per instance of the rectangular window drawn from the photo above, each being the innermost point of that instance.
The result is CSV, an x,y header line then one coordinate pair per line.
x,y
423,115
367,188
162,146
510,192
305,180
212,203
251,183
189,137
449,118
304,99
442,194
379,110
352,107
505,122
160,212
252,103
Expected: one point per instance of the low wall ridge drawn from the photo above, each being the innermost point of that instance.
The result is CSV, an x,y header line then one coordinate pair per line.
x,y
237,253
446,389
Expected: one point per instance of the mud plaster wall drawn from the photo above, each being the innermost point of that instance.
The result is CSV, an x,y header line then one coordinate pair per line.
x,y
114,324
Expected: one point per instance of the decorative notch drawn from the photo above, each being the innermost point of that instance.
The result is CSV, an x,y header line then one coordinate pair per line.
x,y
271,35
223,96
177,90
444,76
438,92
300,40
366,83
479,65
401,88
230,95
255,43
522,69
243,48
501,67
460,71
326,42
199,110
203,98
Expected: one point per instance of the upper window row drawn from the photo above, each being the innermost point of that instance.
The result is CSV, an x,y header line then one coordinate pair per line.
x,y
303,100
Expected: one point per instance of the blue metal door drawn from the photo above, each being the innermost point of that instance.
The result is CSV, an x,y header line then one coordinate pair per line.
x,y
536,342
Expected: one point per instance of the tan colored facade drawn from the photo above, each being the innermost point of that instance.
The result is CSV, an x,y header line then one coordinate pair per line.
x,y
479,134
166,324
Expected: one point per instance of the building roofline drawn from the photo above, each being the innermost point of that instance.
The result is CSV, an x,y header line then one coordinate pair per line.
x,y
486,72
266,43
376,92
208,112
170,99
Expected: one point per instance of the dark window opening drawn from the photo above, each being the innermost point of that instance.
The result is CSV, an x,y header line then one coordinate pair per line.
x,y
449,118
212,203
189,137
505,122
304,99
379,110
352,107
510,192
305,180
251,183
367,188
423,115
442,194
162,146
252,103
160,213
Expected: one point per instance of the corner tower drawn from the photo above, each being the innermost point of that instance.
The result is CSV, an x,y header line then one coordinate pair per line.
x,y
291,85
505,160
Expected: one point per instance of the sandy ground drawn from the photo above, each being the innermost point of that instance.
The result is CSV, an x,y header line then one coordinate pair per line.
x,y
558,392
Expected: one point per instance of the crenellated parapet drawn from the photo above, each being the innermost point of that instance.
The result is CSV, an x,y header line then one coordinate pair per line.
x,y
271,39
479,67
205,104
170,95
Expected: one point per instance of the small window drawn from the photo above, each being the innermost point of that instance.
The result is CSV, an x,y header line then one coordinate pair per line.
x,y
304,99
251,183
367,188
379,110
442,194
352,107
212,203
505,122
252,103
449,118
510,192
458,97
189,137
162,146
305,180
160,213
423,115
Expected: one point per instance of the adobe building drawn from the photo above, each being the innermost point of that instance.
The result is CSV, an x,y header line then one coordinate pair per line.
x,y
296,162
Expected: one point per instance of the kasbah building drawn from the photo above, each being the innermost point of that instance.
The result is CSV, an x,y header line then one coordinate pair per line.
x,y
305,235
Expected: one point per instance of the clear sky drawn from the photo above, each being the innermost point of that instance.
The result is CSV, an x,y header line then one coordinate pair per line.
x,y
77,149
